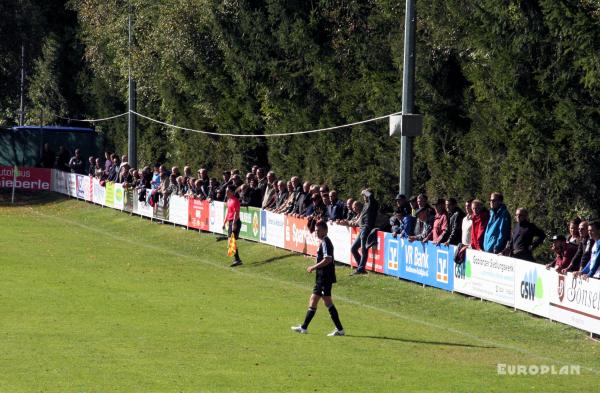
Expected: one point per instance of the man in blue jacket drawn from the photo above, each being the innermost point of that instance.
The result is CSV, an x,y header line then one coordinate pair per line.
x,y
497,232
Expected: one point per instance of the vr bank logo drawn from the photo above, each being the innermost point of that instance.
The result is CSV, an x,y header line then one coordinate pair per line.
x,y
392,259
531,286
441,274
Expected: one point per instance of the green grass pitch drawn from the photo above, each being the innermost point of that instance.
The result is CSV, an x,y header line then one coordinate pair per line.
x,y
95,300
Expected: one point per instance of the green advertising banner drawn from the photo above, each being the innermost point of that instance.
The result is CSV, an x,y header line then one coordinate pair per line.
x,y
128,200
250,217
110,194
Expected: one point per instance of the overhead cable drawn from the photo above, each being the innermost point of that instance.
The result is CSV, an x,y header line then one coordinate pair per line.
x,y
93,120
266,135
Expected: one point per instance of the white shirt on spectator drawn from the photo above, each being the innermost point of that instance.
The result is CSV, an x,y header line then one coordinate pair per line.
x,y
467,224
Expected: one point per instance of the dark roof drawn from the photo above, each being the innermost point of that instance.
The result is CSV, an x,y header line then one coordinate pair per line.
x,y
53,129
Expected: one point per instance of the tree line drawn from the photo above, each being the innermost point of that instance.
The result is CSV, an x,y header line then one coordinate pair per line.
x,y
509,89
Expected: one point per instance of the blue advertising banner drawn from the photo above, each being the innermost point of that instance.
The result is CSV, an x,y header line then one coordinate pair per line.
x,y
392,249
420,262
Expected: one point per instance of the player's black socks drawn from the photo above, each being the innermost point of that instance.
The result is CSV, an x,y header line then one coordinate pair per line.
x,y
309,316
335,317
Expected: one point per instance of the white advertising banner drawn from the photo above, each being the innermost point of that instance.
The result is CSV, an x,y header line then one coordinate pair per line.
x,y
99,192
340,236
143,208
272,228
178,210
486,276
72,184
60,181
574,301
119,200
532,289
80,186
88,192
216,216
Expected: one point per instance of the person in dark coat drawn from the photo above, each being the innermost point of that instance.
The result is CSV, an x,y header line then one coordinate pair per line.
x,y
525,237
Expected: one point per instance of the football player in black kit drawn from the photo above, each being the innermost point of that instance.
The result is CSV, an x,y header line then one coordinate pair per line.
x,y
325,278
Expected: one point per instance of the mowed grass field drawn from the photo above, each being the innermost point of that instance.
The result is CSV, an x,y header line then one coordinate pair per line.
x,y
95,300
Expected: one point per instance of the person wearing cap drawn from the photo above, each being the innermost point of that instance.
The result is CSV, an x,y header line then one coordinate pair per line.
x,y
366,222
402,203
402,223
426,226
563,251
526,236
497,231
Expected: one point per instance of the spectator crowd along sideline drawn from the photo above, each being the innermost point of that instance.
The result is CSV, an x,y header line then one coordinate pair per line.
x,y
471,251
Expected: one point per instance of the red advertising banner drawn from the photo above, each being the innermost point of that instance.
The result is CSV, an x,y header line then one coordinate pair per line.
x,y
376,253
28,179
298,238
198,214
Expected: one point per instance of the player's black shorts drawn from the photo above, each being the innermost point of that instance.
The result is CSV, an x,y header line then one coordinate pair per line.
x,y
322,288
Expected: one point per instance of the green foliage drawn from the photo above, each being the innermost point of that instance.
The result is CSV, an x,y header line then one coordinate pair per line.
x,y
510,90
44,90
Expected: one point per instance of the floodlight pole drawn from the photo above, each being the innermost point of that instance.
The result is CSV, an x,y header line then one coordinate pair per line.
x,y
132,104
408,95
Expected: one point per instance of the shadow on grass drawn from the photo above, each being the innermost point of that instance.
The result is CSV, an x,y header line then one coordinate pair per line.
x,y
406,340
25,198
270,260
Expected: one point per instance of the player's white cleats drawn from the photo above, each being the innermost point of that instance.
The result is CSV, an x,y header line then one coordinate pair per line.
x,y
298,329
337,333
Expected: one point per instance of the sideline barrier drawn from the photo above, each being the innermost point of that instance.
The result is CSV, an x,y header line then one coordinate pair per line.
x,y
512,282
487,276
420,262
